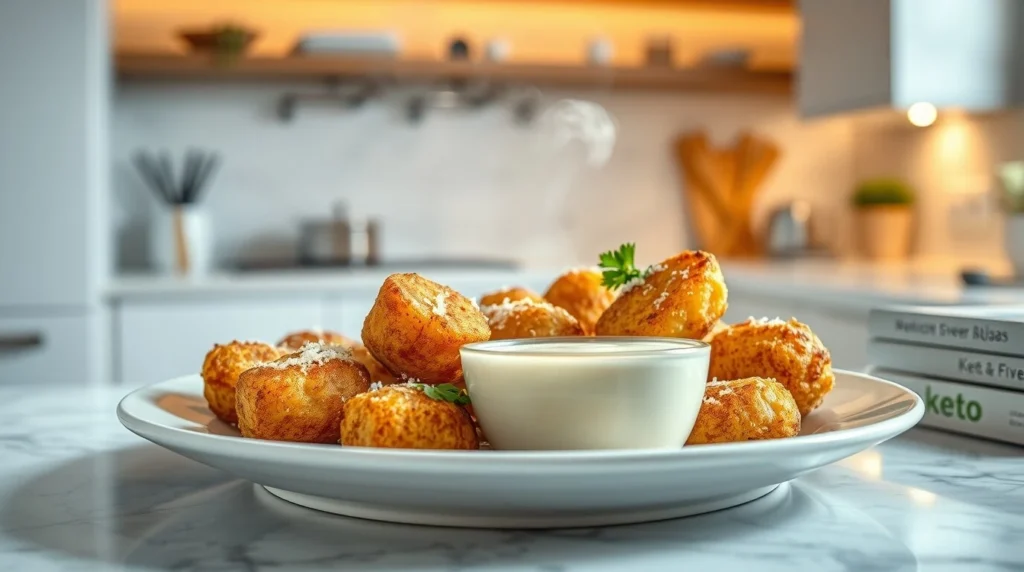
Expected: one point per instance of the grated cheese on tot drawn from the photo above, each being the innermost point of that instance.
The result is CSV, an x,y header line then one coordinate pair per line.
x,y
439,305
661,299
310,354
633,283
499,314
581,270
765,321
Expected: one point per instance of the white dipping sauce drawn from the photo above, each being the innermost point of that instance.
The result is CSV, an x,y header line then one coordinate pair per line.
x,y
586,393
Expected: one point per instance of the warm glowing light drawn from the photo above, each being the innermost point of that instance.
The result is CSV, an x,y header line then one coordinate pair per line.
x,y
868,464
921,496
922,114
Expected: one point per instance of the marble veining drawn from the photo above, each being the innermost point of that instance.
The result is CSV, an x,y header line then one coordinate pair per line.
x,y
80,492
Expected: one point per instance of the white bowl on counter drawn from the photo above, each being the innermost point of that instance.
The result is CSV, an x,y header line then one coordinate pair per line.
x,y
578,393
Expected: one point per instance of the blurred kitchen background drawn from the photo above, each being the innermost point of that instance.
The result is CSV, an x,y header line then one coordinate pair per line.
x,y
178,173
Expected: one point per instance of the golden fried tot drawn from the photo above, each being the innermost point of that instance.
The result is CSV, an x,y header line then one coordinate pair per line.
x,y
582,293
377,370
529,319
378,373
512,294
745,410
221,368
295,340
719,326
785,350
682,297
402,416
299,397
416,327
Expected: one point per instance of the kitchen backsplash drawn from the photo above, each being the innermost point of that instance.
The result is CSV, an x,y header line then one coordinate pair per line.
x,y
951,165
462,183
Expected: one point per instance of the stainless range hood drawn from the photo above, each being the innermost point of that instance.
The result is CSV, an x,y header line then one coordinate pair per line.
x,y
858,55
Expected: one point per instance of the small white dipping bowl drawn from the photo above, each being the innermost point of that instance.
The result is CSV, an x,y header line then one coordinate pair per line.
x,y
586,392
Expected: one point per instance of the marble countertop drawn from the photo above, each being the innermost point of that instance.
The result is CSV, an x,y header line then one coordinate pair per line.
x,y
831,282
80,492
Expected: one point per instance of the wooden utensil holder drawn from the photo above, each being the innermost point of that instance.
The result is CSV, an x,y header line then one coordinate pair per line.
x,y
720,188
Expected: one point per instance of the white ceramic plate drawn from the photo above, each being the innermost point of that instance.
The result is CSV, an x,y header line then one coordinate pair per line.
x,y
506,489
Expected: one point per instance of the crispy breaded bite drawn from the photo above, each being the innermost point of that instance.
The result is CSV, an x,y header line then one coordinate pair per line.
x,y
376,369
784,350
529,319
402,416
582,293
682,297
221,368
296,340
720,326
378,373
745,410
299,397
416,327
510,294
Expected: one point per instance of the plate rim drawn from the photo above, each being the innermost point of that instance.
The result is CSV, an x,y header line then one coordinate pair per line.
x,y
195,440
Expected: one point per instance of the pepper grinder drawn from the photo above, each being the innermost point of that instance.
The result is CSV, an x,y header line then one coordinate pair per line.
x,y
372,242
366,242
342,235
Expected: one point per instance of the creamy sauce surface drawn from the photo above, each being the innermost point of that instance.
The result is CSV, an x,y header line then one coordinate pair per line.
x,y
594,347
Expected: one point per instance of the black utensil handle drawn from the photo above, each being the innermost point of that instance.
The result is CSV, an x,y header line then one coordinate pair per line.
x,y
205,171
21,340
151,175
168,174
194,168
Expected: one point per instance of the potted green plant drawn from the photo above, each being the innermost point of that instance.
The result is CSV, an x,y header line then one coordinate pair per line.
x,y
226,43
884,218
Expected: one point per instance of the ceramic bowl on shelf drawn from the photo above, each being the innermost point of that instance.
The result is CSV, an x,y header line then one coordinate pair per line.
x,y
223,42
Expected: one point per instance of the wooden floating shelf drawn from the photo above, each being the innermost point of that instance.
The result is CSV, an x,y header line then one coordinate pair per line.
x,y
185,67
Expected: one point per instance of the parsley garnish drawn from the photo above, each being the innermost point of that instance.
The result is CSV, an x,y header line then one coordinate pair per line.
x,y
444,392
619,265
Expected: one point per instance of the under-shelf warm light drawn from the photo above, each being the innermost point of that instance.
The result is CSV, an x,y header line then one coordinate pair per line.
x,y
922,114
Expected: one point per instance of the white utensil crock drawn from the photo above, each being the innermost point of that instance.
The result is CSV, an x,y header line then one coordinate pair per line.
x,y
179,241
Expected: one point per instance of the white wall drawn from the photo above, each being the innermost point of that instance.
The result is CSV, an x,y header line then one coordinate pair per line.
x,y
462,183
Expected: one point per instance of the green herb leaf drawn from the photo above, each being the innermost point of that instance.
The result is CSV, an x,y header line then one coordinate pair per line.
x,y
619,266
444,392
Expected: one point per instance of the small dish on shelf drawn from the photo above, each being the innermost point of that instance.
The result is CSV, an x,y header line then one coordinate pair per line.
x,y
226,42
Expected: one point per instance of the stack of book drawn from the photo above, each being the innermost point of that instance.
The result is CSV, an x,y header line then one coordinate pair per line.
x,y
966,363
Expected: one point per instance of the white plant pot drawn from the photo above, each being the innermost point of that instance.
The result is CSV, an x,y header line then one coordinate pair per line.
x,y
179,241
1013,242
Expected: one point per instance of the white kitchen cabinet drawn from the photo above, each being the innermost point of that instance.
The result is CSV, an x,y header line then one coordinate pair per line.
x,y
346,314
158,340
54,65
863,54
54,230
49,350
